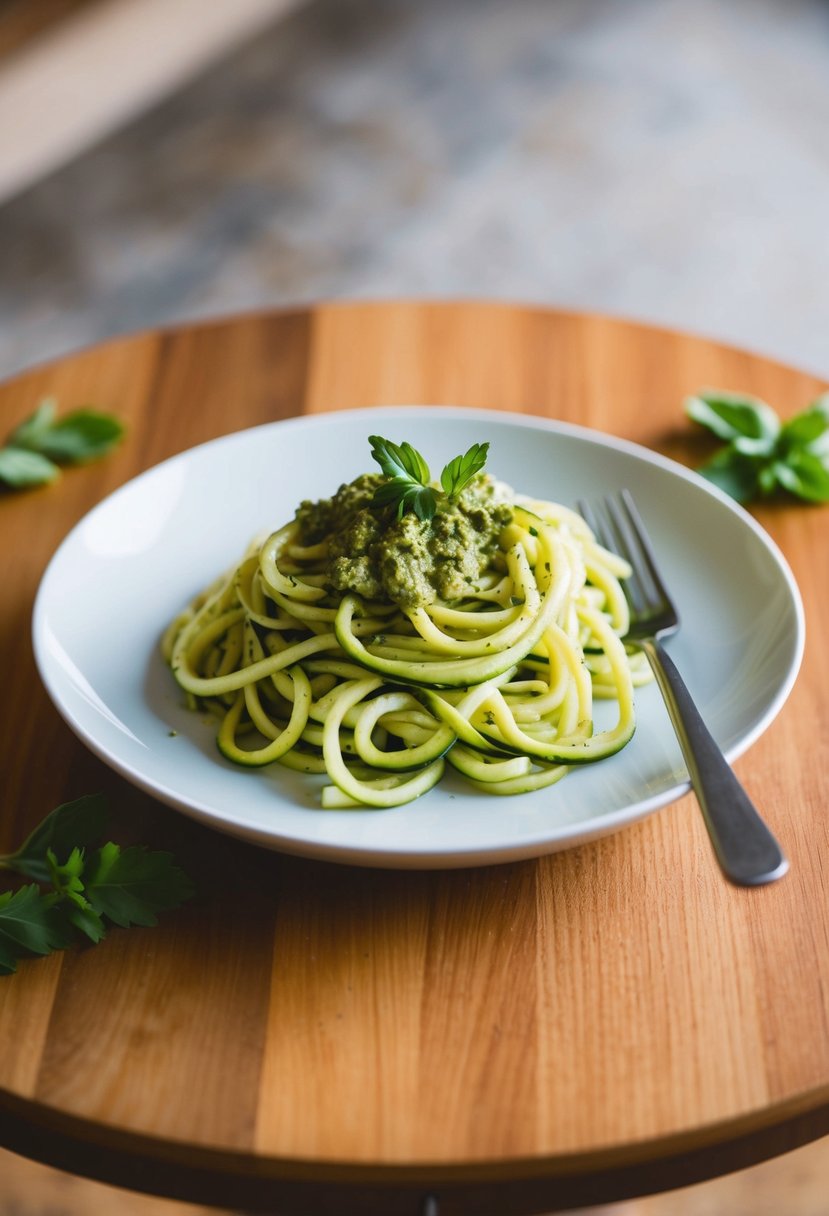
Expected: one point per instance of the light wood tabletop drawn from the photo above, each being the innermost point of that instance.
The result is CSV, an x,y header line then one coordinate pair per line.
x,y
603,1022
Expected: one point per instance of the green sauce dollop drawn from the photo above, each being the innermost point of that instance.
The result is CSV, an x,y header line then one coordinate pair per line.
x,y
406,561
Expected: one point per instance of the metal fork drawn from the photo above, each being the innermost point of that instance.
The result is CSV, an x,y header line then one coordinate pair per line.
x,y
746,850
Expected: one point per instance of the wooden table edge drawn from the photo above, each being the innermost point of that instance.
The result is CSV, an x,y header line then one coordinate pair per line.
x,y
219,1176
483,303
228,1177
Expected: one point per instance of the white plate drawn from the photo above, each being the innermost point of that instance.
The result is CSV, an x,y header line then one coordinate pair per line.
x,y
137,558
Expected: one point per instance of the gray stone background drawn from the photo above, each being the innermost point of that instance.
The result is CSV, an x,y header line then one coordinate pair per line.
x,y
659,159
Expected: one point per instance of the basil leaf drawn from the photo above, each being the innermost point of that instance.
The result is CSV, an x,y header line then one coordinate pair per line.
x,y
28,434
756,448
805,474
820,446
805,428
731,415
80,436
767,477
821,403
20,468
733,473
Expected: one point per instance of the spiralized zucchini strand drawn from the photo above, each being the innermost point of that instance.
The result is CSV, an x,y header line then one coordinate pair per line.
x,y
376,697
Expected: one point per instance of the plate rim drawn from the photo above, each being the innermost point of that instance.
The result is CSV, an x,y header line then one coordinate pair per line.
x,y
445,857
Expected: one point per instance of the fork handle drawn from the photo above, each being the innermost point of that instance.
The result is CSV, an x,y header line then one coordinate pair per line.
x,y
746,850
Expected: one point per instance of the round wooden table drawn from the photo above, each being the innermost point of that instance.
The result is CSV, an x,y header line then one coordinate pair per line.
x,y
303,1036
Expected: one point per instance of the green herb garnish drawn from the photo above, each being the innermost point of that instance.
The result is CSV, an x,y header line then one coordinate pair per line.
x,y
408,473
85,887
43,441
408,485
460,471
761,453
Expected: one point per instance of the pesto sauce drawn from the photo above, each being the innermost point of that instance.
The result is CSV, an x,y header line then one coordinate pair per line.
x,y
407,561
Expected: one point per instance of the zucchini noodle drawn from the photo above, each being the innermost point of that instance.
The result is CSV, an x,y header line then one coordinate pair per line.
x,y
499,683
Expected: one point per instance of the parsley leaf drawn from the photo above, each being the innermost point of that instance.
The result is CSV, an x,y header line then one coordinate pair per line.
x,y
85,892
129,886
408,473
30,923
400,461
68,883
77,823
762,455
460,471
43,441
403,495
408,486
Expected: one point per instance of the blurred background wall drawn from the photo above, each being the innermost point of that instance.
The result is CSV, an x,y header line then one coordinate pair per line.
x,y
653,158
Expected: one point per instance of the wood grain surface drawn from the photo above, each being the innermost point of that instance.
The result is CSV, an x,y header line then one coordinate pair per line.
x,y
600,1023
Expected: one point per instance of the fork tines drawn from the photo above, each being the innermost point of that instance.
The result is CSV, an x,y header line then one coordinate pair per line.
x,y
617,525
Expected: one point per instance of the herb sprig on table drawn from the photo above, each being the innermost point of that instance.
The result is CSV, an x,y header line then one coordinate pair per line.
x,y
408,488
78,889
35,449
763,454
